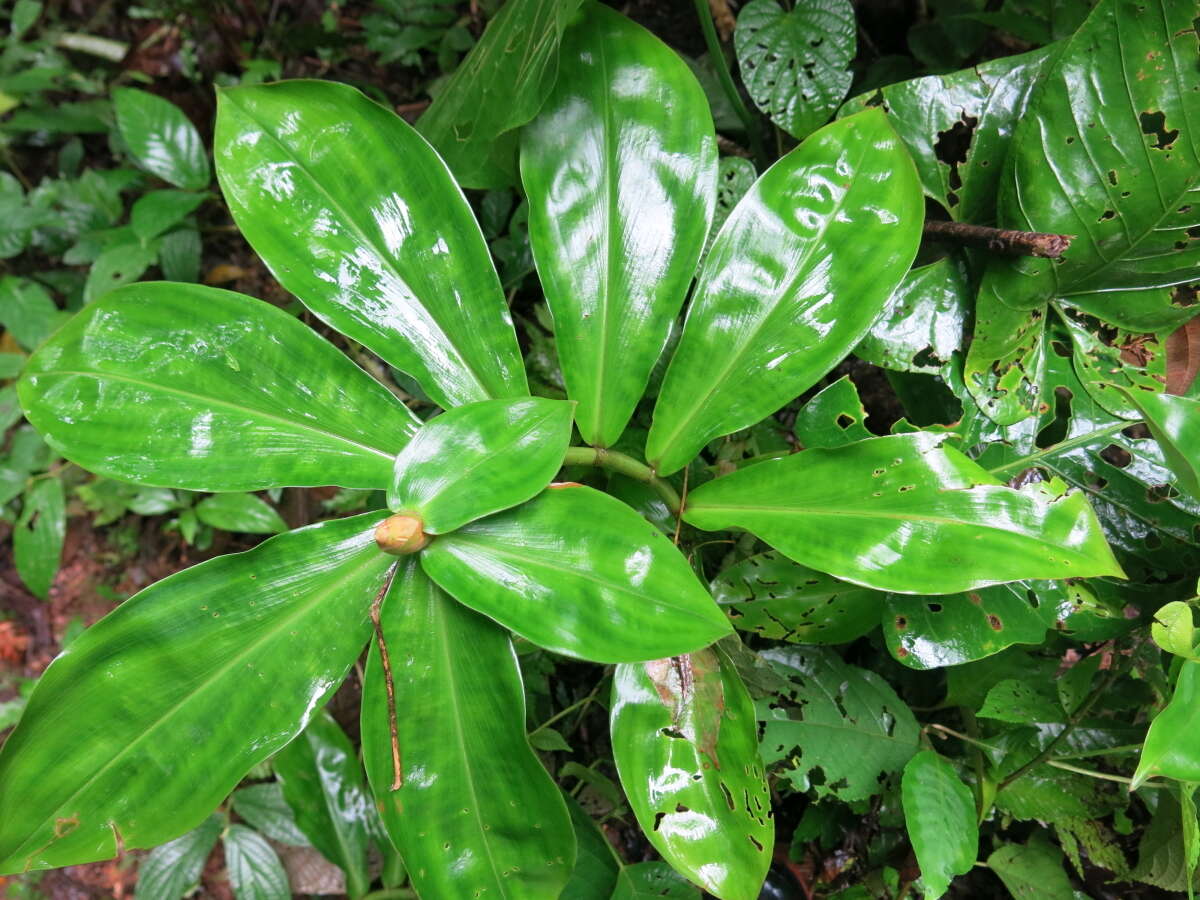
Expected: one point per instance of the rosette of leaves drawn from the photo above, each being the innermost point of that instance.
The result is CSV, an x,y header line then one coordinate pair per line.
x,y
156,713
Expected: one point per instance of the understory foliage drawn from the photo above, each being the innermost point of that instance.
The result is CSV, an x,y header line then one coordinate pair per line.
x,y
638,598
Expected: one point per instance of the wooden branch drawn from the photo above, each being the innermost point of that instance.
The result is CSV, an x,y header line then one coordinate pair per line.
x,y
999,240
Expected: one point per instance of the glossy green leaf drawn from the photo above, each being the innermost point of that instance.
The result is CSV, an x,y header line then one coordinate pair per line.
x,y
976,107
323,784
652,881
1032,870
357,216
803,266
939,813
1111,154
619,168
240,512
1006,361
500,86
161,139
833,418
255,872
479,459
835,721
476,814
922,325
264,807
906,514
1172,745
796,62
771,596
157,211
1174,628
1175,424
180,691
1109,365
189,386
39,534
171,870
580,573
685,742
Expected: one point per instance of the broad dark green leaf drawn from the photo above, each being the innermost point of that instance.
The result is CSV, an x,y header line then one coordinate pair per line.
x,y
1111,362
240,512
922,325
27,311
842,724
1032,870
171,870
1175,424
1022,701
735,177
118,266
652,881
1172,746
323,784
161,139
619,168
478,459
264,807
685,741
906,514
179,253
38,535
801,269
255,872
771,596
357,216
180,691
157,211
476,814
500,86
580,573
596,863
967,116
796,62
1005,365
194,387
939,814
1111,153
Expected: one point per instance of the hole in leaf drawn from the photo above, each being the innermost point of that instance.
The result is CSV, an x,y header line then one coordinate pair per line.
x,y
844,421
934,607
1154,124
1116,456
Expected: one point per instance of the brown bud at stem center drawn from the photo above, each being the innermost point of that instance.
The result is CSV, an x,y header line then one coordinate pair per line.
x,y
401,535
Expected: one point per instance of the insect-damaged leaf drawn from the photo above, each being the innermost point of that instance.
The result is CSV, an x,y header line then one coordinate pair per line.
x,y
685,743
475,812
1111,366
856,511
838,730
1175,424
181,690
922,325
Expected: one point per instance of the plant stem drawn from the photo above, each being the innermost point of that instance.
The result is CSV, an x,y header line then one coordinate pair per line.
x,y
392,894
385,662
1092,773
627,466
999,240
717,55
566,712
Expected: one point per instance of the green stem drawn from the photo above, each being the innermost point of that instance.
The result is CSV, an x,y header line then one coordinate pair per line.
x,y
627,466
1092,773
717,55
566,712
392,894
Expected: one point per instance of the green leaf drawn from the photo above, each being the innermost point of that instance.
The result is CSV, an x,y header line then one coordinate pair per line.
x,y
796,64
500,86
479,459
619,169
1174,628
39,534
978,107
27,311
596,863
651,881
1110,154
160,138
579,573
157,211
939,813
793,281
833,418
771,596
355,214
255,872
1111,365
264,807
1021,702
1172,745
476,813
323,784
735,178
1162,854
1175,424
844,721
906,514
181,690
1032,871
189,386
240,512
179,255
922,325
117,266
685,743
171,870
1006,361
11,364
